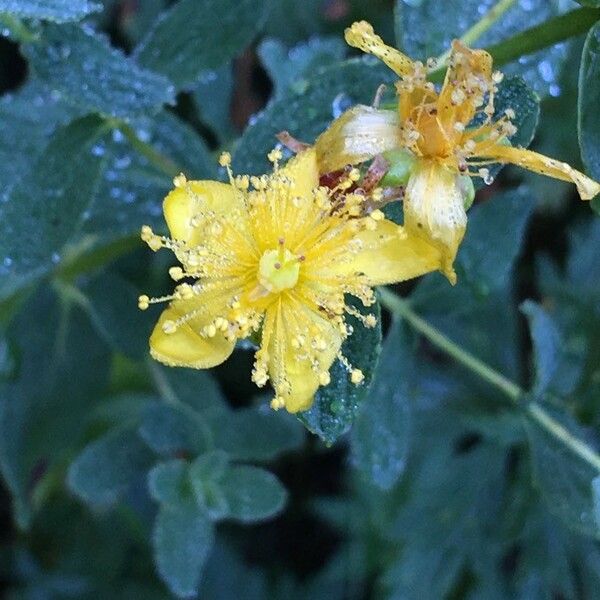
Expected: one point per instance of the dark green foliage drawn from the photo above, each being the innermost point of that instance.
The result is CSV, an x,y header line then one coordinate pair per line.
x,y
125,479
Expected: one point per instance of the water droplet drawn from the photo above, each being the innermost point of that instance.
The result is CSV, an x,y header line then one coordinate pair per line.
x,y
7,262
55,258
117,136
123,162
98,150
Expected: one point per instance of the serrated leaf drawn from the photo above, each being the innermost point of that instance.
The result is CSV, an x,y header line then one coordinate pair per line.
x,y
198,35
105,469
380,436
336,405
307,113
59,11
546,344
563,475
426,28
174,429
252,494
44,212
183,537
289,68
167,481
588,102
82,66
255,433
114,312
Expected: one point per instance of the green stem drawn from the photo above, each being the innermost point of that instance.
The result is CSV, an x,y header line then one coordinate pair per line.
x,y
536,38
161,162
479,28
533,410
18,29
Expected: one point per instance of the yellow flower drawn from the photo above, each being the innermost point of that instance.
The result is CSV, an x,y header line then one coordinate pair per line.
x,y
275,256
442,147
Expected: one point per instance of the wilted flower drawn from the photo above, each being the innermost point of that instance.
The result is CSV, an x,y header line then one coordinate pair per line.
x,y
441,138
274,256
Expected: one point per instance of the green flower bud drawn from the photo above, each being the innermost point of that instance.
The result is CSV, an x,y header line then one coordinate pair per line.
x,y
401,163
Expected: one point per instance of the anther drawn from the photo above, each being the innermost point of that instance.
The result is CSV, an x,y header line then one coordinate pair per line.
x,y
356,376
179,180
169,327
143,302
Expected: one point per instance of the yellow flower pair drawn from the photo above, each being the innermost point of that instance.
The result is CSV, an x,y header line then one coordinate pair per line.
x,y
275,256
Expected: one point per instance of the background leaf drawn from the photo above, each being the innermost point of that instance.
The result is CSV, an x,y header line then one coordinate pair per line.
x,y
195,36
59,11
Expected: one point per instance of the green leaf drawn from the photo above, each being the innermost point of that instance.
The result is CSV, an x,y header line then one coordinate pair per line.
x,y
183,537
213,95
252,494
336,405
198,35
257,434
290,68
114,312
106,468
493,240
174,429
61,373
59,11
596,495
206,473
564,477
588,102
167,481
426,28
305,114
88,72
593,3
44,212
546,344
380,436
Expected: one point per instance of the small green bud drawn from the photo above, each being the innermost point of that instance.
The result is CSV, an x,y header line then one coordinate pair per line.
x,y
401,165
467,189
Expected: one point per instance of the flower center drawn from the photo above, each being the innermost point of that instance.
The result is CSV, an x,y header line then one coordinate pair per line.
x,y
278,270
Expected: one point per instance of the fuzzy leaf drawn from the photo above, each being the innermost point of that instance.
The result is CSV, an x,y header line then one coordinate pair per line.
x,y
336,405
380,436
167,481
197,35
251,494
88,72
183,537
59,11
106,468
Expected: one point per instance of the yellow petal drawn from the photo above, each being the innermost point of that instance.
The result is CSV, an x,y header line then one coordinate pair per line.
x,y
434,211
388,255
185,347
189,199
533,161
361,35
358,135
303,171
293,377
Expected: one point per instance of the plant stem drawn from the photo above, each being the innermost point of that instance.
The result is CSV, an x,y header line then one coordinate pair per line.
x,y
531,40
479,28
161,162
533,410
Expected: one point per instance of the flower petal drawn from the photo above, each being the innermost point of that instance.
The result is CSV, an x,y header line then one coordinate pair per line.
x,y
182,203
358,135
303,171
388,255
361,35
185,347
533,161
434,211
293,376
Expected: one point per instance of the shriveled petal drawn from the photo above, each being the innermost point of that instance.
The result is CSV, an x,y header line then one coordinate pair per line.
x,y
186,347
358,135
293,375
190,199
533,161
434,211
303,171
361,35
388,255
468,79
